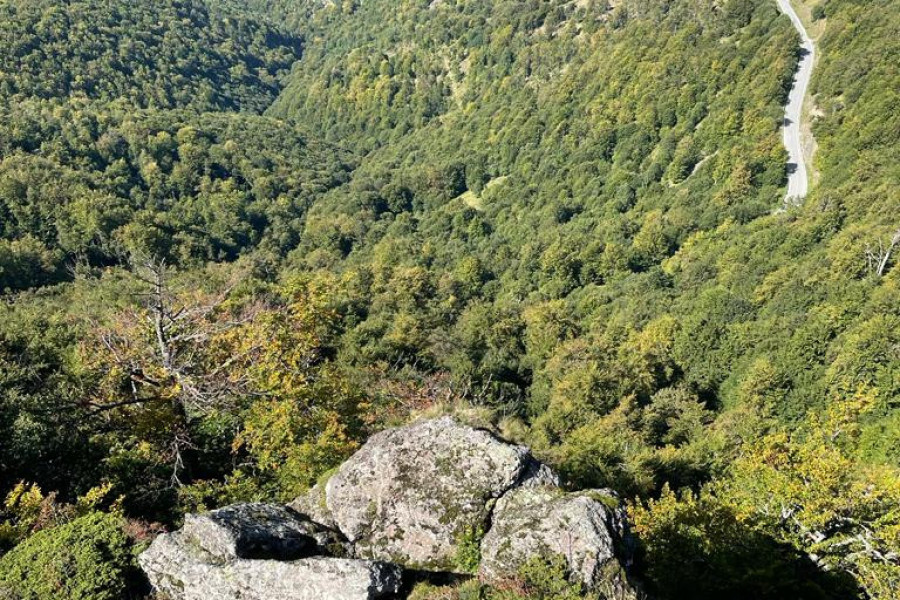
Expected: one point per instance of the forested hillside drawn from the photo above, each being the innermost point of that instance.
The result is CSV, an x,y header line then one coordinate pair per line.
x,y
236,239
166,54
84,186
106,148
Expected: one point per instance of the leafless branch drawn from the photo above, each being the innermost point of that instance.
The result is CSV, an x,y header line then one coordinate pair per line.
x,y
879,257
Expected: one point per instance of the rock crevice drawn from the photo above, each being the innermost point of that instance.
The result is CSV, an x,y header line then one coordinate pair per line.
x,y
411,499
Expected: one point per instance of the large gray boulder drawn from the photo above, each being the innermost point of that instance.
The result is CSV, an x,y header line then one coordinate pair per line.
x,y
410,494
255,530
587,529
177,567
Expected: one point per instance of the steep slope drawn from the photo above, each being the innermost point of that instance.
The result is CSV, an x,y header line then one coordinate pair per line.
x,y
166,54
552,201
549,237
375,71
555,168
80,183
560,219
105,149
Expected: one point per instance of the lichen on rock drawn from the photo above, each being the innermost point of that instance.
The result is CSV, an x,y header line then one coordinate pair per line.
x,y
586,529
176,568
409,493
256,530
250,552
436,496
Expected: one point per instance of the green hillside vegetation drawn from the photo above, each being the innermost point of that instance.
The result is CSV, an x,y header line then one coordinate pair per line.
x,y
562,220
166,54
588,179
84,187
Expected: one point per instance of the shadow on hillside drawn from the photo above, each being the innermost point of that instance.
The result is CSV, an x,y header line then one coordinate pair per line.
x,y
699,561
412,577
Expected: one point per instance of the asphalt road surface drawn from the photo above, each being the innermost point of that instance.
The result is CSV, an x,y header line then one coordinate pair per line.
x,y
798,178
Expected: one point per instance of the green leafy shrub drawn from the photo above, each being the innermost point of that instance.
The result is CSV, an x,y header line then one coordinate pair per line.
x,y
28,510
543,579
792,495
87,559
539,579
468,551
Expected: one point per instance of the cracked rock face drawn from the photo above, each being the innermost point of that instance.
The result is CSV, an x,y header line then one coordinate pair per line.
x,y
585,528
252,552
181,571
409,494
256,530
408,498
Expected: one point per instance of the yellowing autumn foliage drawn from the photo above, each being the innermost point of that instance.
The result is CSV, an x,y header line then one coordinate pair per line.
x,y
795,499
304,418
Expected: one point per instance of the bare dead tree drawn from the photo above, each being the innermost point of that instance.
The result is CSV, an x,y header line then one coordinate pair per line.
x,y
181,331
161,353
879,257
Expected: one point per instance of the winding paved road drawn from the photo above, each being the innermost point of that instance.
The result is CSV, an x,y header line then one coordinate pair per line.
x,y
798,178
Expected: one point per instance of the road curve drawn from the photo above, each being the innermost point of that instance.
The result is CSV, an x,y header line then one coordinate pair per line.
x,y
798,178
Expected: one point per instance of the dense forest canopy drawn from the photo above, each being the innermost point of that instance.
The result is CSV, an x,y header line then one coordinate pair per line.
x,y
237,238
80,185
167,54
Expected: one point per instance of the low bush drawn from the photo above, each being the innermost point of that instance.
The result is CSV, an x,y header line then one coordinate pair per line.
x,y
90,558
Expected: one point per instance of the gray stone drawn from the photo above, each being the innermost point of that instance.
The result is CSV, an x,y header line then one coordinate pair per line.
x,y
179,568
539,475
412,496
312,504
255,530
409,494
587,529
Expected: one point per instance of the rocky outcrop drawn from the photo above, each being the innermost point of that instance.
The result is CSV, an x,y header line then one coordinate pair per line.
x,y
409,495
261,552
587,529
411,498
262,531
177,568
